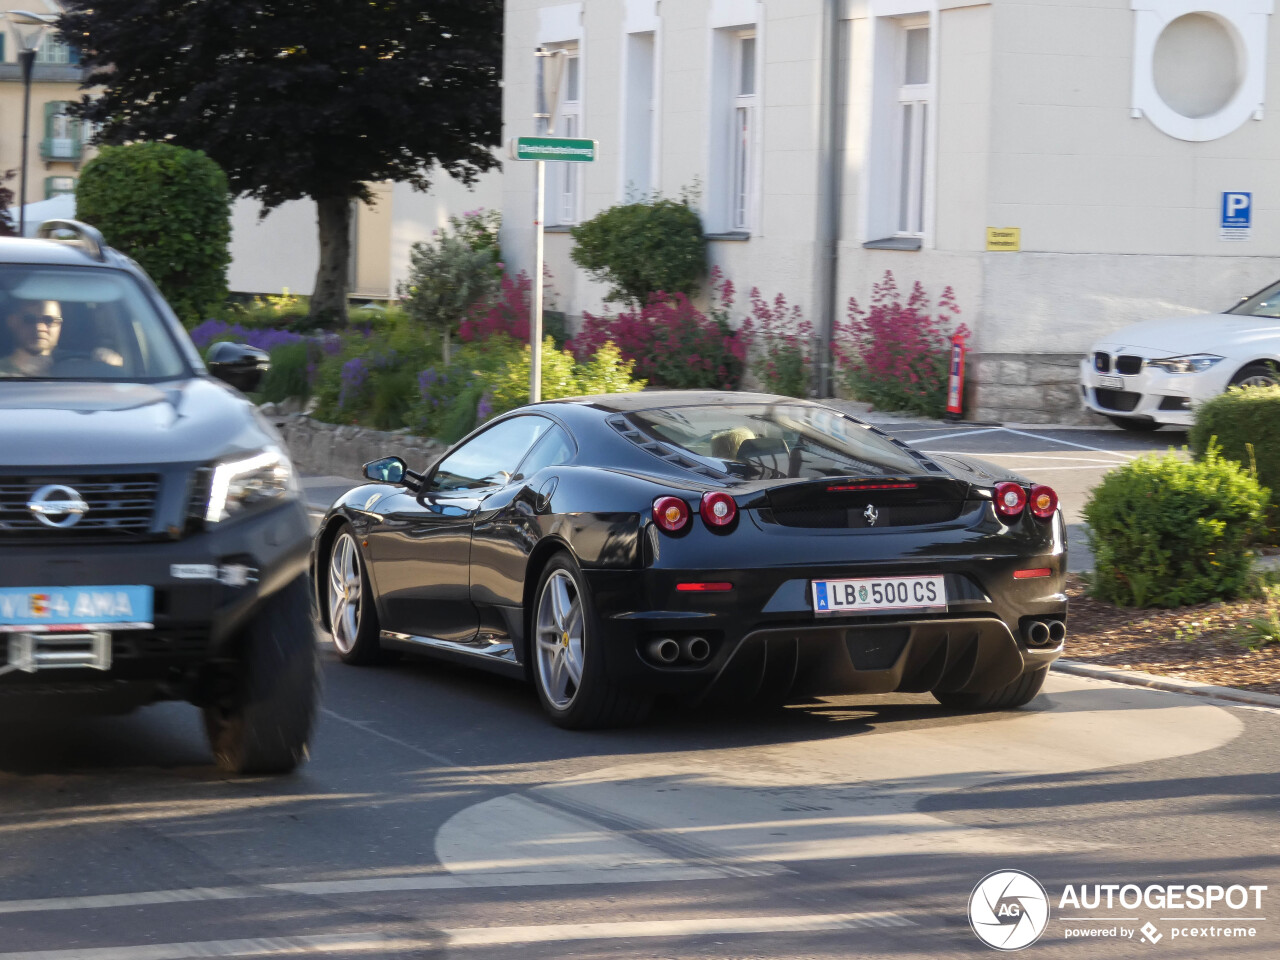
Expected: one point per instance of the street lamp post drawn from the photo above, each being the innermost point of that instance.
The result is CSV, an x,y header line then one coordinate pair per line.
x,y
29,30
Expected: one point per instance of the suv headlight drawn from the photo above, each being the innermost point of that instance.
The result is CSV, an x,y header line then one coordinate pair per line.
x,y
238,486
1192,363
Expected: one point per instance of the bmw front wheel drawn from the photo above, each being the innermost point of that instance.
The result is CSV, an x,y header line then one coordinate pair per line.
x,y
567,662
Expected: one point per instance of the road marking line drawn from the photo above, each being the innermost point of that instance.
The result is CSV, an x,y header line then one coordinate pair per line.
x,y
475,937
1070,443
323,888
955,433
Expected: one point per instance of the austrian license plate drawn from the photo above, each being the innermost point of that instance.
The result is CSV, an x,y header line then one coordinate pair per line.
x,y
1111,383
60,609
878,594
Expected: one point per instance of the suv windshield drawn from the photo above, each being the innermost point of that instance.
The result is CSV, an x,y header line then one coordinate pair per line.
x,y
81,323
757,441
1264,304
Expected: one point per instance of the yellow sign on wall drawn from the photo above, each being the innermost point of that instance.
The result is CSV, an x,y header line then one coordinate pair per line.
x,y
1004,238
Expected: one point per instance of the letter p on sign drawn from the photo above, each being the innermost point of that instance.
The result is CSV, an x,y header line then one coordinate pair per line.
x,y
1237,215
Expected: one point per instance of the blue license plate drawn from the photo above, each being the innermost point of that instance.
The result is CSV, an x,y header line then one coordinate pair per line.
x,y
42,609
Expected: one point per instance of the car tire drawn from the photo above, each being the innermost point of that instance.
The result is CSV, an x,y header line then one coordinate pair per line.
x,y
261,723
1016,694
565,638
1135,424
1256,375
353,617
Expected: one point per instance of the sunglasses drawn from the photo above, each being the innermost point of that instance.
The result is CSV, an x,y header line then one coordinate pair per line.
x,y
35,319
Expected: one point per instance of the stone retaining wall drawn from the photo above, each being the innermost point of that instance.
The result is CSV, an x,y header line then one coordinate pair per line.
x,y
327,449
1027,388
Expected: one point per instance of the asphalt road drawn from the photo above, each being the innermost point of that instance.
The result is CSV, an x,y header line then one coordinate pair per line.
x,y
441,816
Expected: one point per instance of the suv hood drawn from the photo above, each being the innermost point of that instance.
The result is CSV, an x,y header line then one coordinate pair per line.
x,y
54,424
1219,333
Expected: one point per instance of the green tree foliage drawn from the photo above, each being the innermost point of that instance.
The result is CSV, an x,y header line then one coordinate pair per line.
x,y
169,209
301,98
1245,424
1167,532
458,268
642,249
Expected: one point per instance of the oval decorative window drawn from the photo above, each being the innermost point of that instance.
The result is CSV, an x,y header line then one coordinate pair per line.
x,y
1199,66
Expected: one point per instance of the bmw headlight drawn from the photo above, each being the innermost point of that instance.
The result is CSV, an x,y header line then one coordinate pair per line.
x,y
1192,363
238,486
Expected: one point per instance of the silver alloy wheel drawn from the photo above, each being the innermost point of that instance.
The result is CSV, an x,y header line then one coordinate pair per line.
x,y
1259,380
344,593
560,635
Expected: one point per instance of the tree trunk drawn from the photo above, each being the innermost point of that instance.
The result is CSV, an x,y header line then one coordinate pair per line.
x,y
329,300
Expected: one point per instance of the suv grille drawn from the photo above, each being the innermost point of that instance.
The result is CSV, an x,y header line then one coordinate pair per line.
x,y
1102,362
119,506
1128,365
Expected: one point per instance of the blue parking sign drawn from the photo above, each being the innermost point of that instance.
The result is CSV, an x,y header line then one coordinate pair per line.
x,y
1237,215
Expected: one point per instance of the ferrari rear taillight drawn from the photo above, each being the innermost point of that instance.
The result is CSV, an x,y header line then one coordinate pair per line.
x,y
1043,502
671,514
1010,500
718,509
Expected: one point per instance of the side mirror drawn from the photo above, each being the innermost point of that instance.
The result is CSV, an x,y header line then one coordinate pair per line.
x,y
238,364
386,470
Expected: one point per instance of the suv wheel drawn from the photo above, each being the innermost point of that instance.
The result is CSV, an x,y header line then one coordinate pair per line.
x,y
262,724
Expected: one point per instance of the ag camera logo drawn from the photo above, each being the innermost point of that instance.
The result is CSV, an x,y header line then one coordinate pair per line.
x,y
1008,910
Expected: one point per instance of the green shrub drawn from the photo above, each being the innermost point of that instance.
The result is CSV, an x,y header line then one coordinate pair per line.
x,y
288,374
168,208
642,249
1244,424
1167,532
491,377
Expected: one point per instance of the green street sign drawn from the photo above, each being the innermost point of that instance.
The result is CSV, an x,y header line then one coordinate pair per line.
x,y
554,148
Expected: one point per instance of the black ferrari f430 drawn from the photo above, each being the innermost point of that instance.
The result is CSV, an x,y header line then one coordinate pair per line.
x,y
618,548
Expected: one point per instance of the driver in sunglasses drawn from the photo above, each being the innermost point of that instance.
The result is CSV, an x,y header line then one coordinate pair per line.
x,y
35,326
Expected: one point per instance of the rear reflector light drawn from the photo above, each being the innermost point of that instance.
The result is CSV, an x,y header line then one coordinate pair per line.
x,y
855,487
1032,574
718,509
671,514
704,587
1010,499
1044,501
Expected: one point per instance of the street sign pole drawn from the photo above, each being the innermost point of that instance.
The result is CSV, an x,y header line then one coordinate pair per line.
x,y
535,321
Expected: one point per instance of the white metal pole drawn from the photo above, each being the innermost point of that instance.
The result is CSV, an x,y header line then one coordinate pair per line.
x,y
535,320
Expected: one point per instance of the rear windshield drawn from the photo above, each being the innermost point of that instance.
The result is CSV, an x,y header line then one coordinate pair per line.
x,y
757,441
78,323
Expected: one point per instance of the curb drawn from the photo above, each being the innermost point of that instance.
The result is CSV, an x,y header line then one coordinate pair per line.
x,y
1135,678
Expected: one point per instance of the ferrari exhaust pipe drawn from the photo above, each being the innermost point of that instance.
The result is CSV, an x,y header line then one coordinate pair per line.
x,y
696,649
1037,633
1057,631
664,650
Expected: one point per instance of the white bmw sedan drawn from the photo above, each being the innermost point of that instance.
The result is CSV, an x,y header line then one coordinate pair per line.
x,y
1156,373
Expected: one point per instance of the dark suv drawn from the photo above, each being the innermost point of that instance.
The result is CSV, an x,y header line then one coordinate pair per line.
x,y
153,545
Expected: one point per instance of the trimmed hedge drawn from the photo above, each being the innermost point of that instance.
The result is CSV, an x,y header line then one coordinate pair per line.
x,y
169,209
642,250
1168,532
1244,424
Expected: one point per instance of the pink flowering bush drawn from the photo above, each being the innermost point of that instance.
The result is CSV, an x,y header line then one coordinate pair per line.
x,y
672,342
784,341
895,355
508,311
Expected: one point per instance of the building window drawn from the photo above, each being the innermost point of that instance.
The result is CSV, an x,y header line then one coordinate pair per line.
x,y
53,52
915,95
59,186
640,116
564,180
742,132
62,137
